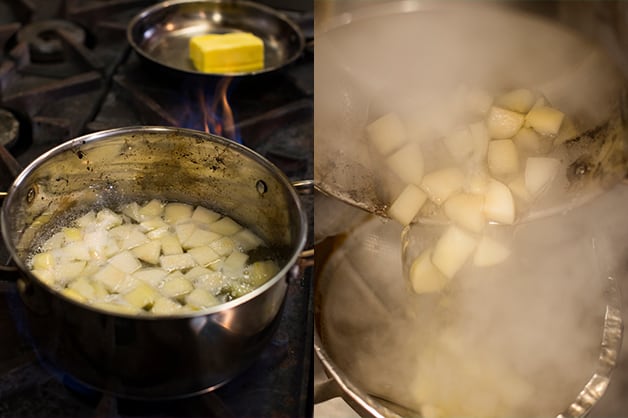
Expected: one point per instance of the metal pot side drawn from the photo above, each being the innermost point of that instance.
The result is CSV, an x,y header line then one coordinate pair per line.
x,y
153,356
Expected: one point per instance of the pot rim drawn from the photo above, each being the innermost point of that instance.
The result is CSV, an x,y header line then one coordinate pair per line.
x,y
112,133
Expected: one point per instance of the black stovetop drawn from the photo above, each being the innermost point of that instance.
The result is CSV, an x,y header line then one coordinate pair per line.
x,y
100,83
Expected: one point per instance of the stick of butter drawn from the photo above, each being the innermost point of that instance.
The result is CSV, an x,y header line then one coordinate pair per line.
x,y
227,53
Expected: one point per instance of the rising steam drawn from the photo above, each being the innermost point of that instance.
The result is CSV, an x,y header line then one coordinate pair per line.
x,y
519,339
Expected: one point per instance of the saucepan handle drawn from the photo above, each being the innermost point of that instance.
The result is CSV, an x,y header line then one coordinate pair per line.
x,y
9,272
305,188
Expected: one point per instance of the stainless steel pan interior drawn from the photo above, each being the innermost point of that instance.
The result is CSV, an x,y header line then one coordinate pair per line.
x,y
161,33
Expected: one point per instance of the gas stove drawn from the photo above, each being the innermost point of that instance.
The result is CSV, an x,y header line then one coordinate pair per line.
x,y
66,69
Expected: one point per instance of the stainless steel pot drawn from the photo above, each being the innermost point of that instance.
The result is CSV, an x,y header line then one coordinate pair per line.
x,y
371,332
153,357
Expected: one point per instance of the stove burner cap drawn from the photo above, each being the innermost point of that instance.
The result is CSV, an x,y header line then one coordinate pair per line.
x,y
9,128
45,39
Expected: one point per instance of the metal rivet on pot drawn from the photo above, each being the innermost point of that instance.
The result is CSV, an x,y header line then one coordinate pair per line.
x,y
261,186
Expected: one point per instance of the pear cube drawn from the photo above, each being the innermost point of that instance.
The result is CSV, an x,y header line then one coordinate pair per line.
x,y
452,250
387,133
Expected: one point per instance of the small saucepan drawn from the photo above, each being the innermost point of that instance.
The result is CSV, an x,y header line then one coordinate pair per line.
x,y
161,33
153,356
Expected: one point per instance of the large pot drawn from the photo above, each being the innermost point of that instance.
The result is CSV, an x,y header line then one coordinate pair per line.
x,y
143,356
551,314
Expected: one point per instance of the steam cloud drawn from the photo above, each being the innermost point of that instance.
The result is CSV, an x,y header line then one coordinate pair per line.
x,y
520,339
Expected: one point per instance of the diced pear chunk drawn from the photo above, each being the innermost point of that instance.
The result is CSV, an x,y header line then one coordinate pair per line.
x,y
467,210
73,294
117,308
503,123
460,144
151,275
165,305
72,234
234,264
176,286
519,189
247,240
148,252
200,237
107,218
170,245
197,271
499,205
67,271
407,205
424,276
387,133
132,210
204,216
201,298
54,242
212,281
476,181
441,184
503,158
85,220
158,232
407,163
223,246
175,212
539,173
125,261
142,296
477,101
519,100
45,276
73,251
204,256
111,277
452,250
151,224
184,230
261,271
177,261
225,226
490,252
83,287
151,209
43,261
545,120
528,140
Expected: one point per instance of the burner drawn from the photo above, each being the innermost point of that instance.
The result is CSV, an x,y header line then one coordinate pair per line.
x,y
46,39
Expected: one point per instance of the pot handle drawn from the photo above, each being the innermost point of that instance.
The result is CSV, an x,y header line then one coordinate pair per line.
x,y
305,188
9,272
326,389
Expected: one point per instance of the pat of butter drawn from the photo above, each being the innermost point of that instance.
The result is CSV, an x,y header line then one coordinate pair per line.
x,y
227,53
